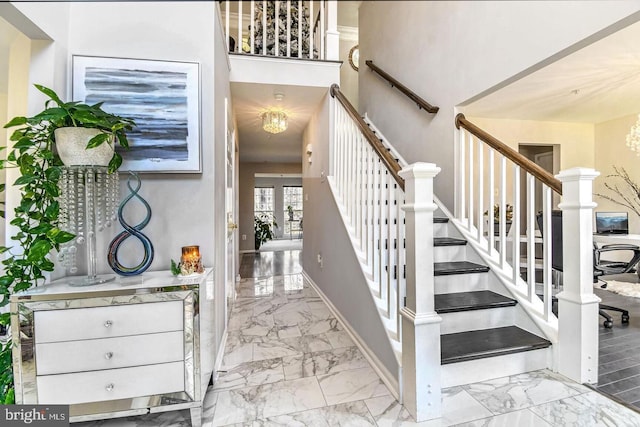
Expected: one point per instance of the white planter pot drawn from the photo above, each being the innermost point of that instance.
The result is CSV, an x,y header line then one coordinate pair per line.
x,y
71,143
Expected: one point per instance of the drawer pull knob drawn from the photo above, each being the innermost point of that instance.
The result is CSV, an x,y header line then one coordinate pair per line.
x,y
110,387
108,355
108,324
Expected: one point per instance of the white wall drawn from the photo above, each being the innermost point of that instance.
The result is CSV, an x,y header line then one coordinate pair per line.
x,y
610,151
451,51
574,140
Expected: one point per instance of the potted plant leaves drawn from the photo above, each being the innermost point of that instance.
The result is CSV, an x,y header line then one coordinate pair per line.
x,y
263,228
82,134
36,154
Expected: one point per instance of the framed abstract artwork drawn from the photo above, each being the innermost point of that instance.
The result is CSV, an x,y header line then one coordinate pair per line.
x,y
162,97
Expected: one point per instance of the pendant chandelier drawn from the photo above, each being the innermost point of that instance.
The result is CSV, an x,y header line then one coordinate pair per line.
x,y
633,138
274,121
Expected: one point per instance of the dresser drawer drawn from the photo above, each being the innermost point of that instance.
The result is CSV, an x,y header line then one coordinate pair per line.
x,y
108,321
110,384
108,353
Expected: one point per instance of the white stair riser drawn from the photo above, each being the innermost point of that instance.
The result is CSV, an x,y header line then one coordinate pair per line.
x,y
449,253
477,319
440,229
460,283
489,368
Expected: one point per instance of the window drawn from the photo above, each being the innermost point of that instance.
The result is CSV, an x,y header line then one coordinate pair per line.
x,y
293,198
263,201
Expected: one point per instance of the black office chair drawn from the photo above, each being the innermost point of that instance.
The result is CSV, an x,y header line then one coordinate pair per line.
x,y
600,267
603,267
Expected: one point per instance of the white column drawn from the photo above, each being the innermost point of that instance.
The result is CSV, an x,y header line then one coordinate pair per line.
x,y
577,305
421,393
333,36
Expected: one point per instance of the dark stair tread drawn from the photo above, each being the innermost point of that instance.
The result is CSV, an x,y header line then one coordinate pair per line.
x,y
457,267
473,345
440,219
448,241
468,301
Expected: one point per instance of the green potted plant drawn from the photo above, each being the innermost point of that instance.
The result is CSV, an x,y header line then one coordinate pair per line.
x,y
36,216
263,228
290,212
82,134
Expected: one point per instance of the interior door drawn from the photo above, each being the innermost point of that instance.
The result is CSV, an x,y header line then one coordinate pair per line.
x,y
232,227
544,160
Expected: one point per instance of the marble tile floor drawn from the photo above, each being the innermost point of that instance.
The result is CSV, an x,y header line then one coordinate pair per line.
x,y
289,362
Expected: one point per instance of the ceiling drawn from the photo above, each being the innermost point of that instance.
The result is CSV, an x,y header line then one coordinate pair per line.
x,y
251,99
597,83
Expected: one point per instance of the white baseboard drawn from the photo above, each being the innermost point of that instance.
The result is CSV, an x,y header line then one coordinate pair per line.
x,y
389,380
220,356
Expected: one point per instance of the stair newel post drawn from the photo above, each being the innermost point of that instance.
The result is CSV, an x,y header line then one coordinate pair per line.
x,y
577,304
421,393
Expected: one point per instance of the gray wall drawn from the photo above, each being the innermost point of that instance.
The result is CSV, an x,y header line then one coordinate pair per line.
x,y
185,206
340,278
182,204
451,51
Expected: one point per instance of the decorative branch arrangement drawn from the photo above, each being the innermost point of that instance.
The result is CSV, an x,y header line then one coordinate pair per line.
x,y
305,27
627,193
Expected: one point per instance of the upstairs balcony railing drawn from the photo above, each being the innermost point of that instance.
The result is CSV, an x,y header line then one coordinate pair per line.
x,y
286,29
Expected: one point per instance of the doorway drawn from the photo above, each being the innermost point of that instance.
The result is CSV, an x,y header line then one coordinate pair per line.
x,y
546,156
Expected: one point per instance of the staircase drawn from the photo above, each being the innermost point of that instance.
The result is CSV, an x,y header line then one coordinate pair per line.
x,y
479,320
445,294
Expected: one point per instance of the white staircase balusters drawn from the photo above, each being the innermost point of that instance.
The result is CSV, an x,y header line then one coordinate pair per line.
x,y
547,252
531,236
492,221
318,34
371,201
512,251
393,232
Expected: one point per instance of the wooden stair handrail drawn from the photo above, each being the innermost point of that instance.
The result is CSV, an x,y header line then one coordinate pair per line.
x,y
511,154
422,104
386,157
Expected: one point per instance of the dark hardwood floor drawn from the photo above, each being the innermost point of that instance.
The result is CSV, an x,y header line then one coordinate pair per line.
x,y
265,264
619,364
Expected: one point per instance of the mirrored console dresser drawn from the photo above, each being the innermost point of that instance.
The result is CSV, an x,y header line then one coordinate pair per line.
x,y
132,346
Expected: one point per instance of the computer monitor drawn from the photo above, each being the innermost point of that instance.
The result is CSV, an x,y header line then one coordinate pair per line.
x,y
612,223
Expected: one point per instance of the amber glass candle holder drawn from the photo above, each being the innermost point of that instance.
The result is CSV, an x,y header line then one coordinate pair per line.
x,y
191,261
